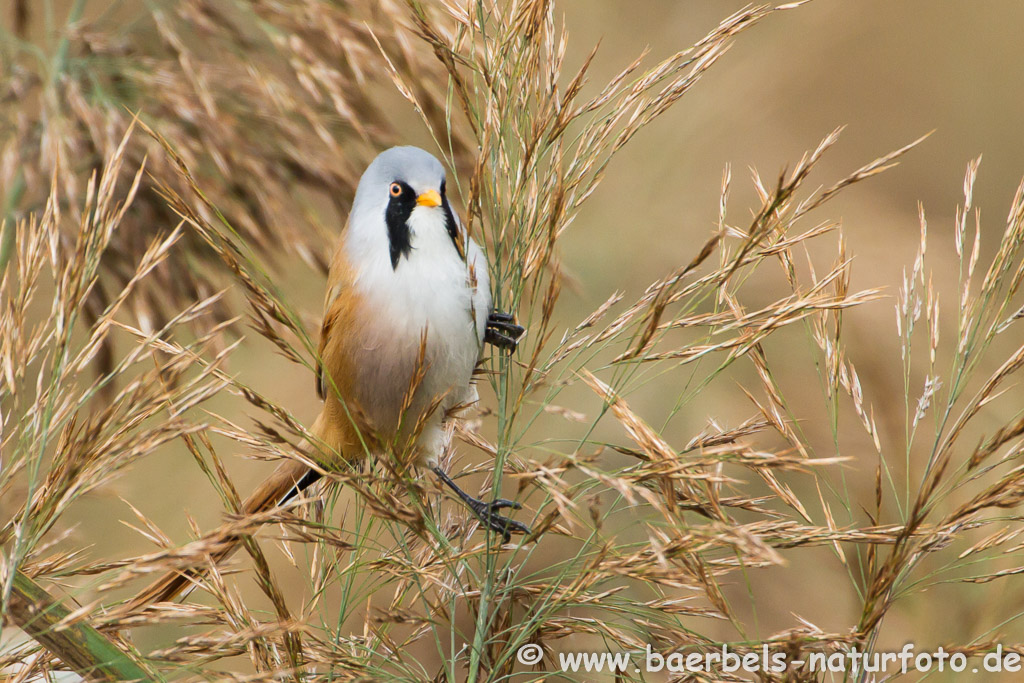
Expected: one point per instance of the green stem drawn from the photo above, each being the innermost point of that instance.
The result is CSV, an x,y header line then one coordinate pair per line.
x,y
80,646
60,59
8,220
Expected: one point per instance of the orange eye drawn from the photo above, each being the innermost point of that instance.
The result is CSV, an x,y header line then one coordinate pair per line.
x,y
396,190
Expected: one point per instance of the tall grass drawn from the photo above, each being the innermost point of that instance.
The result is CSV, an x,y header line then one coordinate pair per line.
x,y
636,535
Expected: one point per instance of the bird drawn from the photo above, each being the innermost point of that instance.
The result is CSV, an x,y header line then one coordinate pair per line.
x,y
407,312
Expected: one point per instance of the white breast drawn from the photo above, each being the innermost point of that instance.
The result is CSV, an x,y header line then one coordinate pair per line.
x,y
433,290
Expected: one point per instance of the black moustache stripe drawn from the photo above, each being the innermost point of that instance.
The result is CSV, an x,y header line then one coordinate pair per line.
x,y
397,218
449,223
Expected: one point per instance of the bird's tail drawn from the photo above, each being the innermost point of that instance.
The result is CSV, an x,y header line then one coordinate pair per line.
x,y
291,477
308,479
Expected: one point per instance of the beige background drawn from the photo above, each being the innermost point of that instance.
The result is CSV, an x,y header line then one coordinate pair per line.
x,y
889,70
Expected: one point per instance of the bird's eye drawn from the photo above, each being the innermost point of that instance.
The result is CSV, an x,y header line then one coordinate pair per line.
x,y
396,190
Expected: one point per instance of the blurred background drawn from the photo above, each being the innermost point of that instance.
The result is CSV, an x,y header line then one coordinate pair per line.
x,y
889,71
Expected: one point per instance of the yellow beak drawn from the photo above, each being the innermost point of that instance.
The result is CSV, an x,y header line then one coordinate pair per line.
x,y
429,198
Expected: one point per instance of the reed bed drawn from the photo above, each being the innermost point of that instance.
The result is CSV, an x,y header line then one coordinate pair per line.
x,y
157,178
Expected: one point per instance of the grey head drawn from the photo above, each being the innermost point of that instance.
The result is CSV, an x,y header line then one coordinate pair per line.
x,y
413,165
399,181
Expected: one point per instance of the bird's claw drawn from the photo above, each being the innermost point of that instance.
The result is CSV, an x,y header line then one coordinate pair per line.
x,y
486,513
502,330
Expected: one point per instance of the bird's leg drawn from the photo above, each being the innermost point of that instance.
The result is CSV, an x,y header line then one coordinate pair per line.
x,y
487,512
502,330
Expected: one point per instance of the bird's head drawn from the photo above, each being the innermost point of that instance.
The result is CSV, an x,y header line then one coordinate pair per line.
x,y
401,195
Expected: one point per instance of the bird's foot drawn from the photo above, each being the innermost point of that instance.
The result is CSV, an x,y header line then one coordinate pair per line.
x,y
502,331
487,512
499,524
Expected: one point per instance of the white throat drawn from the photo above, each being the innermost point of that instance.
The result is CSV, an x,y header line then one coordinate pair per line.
x,y
429,288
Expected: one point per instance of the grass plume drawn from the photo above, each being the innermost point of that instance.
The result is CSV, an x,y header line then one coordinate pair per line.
x,y
139,253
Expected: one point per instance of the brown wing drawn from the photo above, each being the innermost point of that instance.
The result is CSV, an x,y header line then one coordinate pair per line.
x,y
326,328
